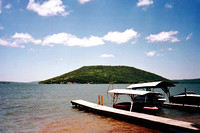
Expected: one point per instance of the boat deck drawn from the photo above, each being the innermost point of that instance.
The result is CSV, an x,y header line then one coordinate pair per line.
x,y
151,121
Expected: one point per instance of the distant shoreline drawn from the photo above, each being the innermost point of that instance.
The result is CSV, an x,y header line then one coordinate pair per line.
x,y
13,82
188,81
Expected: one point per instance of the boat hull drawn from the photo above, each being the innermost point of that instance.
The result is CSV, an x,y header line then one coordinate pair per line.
x,y
136,107
191,100
123,106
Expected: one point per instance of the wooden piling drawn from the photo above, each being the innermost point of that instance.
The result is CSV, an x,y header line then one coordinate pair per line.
x,y
101,99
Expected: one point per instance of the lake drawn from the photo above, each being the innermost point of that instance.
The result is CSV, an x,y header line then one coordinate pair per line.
x,y
47,108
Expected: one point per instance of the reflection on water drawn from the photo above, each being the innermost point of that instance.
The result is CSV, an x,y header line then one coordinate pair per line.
x,y
47,108
88,122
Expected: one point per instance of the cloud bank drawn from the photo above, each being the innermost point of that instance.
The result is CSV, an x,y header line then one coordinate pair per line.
x,y
68,39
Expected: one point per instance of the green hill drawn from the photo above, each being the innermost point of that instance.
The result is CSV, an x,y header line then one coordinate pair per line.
x,y
104,74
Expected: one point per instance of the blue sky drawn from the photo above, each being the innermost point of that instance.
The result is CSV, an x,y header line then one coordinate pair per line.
x,y
40,39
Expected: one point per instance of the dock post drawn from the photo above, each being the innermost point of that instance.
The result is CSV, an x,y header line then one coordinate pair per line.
x,y
101,99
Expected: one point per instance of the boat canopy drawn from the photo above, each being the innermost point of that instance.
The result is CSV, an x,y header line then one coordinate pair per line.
x,y
128,92
159,84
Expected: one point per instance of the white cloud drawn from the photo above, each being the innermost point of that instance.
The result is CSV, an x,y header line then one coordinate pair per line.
x,y
188,36
167,5
121,37
152,53
72,40
8,43
21,38
8,6
163,37
170,49
18,39
60,38
107,56
86,42
83,1
144,3
1,27
48,8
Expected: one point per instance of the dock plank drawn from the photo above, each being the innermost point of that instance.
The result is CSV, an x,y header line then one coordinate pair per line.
x,y
155,120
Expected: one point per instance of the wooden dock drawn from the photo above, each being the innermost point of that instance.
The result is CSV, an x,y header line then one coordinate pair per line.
x,y
150,121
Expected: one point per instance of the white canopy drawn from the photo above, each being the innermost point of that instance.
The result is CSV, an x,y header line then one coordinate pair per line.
x,y
158,84
128,92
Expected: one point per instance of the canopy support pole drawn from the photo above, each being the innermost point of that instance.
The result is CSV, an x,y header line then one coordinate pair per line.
x,y
131,106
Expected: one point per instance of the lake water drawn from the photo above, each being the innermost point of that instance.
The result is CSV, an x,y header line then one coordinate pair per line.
x,y
47,108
